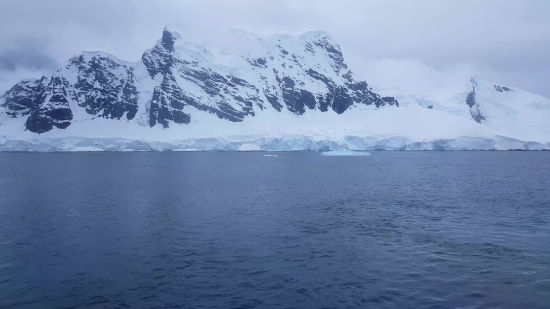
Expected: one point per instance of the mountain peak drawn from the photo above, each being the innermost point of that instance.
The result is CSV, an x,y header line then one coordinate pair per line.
x,y
178,30
316,36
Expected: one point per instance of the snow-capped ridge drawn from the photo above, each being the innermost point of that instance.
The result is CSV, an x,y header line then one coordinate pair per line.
x,y
89,55
317,35
178,30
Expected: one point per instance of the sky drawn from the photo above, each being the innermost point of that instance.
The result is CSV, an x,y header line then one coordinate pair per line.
x,y
412,46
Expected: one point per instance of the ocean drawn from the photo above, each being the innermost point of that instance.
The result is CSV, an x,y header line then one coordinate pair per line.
x,y
299,230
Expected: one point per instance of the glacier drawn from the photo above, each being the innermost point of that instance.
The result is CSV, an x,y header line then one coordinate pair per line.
x,y
347,143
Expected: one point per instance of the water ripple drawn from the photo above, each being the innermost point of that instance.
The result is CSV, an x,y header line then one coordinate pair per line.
x,y
219,230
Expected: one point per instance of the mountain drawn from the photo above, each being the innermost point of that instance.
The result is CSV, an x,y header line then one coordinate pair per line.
x,y
279,92
506,110
175,78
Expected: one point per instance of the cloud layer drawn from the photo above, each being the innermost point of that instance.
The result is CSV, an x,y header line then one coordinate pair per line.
x,y
392,43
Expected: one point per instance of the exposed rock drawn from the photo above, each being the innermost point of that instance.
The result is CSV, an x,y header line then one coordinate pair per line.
x,y
475,111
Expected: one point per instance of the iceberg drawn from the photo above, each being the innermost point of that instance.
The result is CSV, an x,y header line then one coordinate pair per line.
x,y
345,153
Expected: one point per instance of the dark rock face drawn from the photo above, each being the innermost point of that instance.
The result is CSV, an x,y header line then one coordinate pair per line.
x,y
168,41
471,98
296,100
104,87
50,107
391,101
173,81
157,60
476,113
342,100
334,53
503,89
363,94
19,99
164,108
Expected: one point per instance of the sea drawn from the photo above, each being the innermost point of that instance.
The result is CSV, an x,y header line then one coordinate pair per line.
x,y
293,230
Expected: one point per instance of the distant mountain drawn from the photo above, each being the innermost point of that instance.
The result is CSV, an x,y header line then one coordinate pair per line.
x,y
279,92
508,110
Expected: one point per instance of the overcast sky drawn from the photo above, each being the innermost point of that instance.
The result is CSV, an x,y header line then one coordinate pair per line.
x,y
413,45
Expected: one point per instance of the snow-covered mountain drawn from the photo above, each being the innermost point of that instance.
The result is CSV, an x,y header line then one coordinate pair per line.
x,y
175,79
279,92
505,110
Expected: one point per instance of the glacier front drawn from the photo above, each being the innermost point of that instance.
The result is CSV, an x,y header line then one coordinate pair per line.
x,y
348,143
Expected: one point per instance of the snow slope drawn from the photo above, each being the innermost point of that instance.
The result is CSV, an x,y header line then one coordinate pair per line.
x,y
411,127
505,110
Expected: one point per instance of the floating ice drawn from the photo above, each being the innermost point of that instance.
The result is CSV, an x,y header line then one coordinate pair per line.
x,y
270,155
345,153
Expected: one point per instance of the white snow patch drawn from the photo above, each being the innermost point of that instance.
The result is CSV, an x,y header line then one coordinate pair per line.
x,y
346,153
186,150
85,149
249,147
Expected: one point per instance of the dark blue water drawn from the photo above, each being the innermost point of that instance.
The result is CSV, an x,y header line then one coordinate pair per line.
x,y
240,230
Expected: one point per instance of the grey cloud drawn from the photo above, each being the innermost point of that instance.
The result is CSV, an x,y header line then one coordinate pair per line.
x,y
7,64
507,40
28,55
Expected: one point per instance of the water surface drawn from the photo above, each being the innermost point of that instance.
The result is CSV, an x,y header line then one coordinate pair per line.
x,y
240,230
